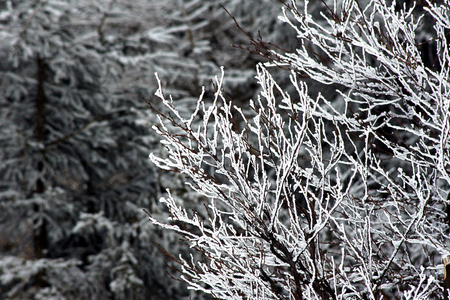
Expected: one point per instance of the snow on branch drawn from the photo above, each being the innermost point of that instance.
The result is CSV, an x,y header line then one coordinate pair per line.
x,y
314,198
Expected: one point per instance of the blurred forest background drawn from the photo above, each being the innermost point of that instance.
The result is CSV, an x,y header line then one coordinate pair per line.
x,y
75,135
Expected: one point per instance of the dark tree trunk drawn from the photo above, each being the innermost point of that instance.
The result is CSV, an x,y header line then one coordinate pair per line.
x,y
40,228
39,129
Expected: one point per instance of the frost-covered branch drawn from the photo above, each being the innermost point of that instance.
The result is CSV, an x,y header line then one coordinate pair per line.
x,y
315,198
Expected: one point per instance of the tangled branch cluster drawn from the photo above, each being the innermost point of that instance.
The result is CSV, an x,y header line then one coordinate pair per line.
x,y
315,198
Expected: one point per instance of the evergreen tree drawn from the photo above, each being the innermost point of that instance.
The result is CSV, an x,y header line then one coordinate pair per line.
x,y
74,136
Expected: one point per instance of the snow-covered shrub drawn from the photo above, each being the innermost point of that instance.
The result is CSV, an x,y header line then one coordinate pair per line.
x,y
314,198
